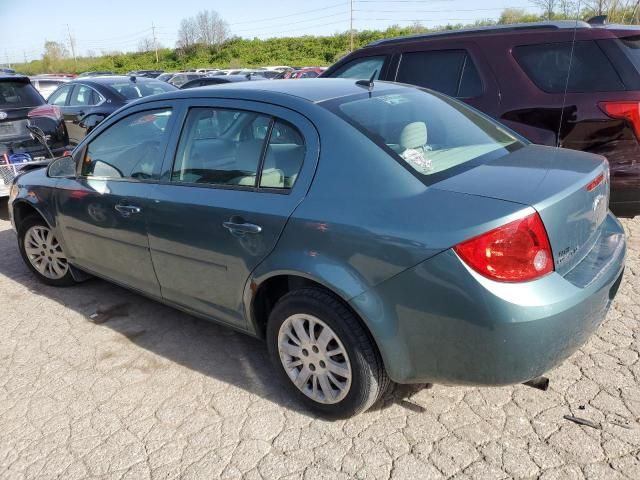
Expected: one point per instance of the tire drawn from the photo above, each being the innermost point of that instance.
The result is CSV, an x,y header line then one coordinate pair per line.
x,y
59,274
340,385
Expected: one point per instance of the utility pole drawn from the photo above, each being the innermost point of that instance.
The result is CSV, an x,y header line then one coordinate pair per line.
x,y
155,44
6,59
73,47
351,22
24,54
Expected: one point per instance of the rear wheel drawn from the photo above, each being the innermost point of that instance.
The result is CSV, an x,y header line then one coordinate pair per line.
x,y
42,252
324,354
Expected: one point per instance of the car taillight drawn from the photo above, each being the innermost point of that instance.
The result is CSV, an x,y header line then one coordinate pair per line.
x,y
629,111
46,111
516,252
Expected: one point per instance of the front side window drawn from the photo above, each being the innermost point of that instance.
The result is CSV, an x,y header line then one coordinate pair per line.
x,y
451,72
429,133
132,148
547,65
361,68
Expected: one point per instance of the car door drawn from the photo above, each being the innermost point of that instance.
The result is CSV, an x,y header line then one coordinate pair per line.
x,y
230,182
102,211
81,103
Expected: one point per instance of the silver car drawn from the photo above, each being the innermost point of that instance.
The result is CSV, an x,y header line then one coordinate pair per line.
x,y
46,84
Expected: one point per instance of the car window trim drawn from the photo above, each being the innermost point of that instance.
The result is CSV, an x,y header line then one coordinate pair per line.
x,y
156,174
255,187
467,55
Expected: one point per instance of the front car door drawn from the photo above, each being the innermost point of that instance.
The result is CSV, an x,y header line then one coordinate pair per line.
x,y
229,184
102,211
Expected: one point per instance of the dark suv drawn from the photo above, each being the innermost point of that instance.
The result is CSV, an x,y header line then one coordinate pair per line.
x,y
518,74
21,108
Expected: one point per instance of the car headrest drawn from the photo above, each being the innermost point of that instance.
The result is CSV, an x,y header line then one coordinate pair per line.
x,y
413,135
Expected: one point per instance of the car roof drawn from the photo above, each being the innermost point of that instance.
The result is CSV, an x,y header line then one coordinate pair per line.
x,y
13,77
312,90
111,79
497,29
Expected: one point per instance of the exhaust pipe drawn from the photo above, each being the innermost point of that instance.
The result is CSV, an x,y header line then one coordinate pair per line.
x,y
541,383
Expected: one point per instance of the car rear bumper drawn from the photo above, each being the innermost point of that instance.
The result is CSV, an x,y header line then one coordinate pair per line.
x,y
441,322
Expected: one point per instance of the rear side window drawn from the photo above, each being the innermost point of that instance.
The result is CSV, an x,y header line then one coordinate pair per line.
x,y
285,154
361,68
227,147
59,97
547,65
131,148
84,95
18,95
451,72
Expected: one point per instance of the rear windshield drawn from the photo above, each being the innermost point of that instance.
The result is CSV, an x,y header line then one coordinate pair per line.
x,y
132,90
18,95
426,131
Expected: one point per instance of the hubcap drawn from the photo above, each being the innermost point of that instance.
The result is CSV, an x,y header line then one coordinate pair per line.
x,y
45,253
314,358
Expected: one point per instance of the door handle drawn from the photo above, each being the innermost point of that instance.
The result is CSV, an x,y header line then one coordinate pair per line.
x,y
127,210
240,227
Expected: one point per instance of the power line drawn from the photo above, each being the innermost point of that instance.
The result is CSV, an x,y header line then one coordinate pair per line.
x,y
341,4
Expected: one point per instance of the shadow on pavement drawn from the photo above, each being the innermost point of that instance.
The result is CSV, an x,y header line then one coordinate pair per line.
x,y
213,350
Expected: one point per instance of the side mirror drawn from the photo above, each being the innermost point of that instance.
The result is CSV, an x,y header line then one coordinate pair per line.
x,y
63,167
91,121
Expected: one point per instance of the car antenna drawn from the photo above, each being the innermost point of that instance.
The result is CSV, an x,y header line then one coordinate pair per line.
x,y
132,78
368,84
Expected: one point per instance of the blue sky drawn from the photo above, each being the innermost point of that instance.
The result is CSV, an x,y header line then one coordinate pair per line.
x,y
112,25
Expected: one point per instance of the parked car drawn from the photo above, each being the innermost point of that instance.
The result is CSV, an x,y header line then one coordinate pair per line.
x,y
165,77
85,102
21,107
180,79
370,232
308,72
146,73
518,73
220,79
7,70
96,73
46,84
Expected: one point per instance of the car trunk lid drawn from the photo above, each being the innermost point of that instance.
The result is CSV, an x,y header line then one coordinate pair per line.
x,y
569,189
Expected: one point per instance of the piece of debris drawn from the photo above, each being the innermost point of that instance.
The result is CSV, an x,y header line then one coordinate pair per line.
x,y
105,314
620,423
582,421
581,407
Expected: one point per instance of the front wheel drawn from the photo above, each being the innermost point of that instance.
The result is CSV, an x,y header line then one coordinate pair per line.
x,y
42,252
324,354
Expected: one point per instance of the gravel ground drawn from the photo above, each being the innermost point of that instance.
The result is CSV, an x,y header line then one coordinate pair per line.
x,y
143,391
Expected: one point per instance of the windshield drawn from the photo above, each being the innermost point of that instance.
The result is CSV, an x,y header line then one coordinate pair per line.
x,y
132,90
18,95
428,132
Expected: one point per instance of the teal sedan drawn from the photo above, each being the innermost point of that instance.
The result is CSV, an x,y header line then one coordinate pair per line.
x,y
369,232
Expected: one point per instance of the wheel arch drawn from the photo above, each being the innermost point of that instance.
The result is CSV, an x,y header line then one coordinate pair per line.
x,y
262,295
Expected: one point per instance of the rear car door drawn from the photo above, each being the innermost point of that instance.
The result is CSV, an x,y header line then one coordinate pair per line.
x,y
81,103
229,185
102,211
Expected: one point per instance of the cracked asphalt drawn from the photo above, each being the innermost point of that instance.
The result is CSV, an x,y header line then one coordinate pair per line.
x,y
98,382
